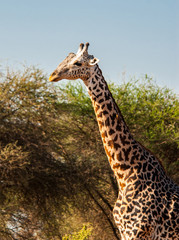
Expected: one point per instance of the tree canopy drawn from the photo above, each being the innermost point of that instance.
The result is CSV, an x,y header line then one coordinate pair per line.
x,y
55,178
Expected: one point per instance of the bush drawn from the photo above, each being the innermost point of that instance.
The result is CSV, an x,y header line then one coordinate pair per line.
x,y
83,234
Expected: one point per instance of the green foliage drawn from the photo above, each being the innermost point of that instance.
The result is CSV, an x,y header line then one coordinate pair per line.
x,y
54,173
83,234
152,114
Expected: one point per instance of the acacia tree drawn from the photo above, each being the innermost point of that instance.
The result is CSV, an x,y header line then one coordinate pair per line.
x,y
54,173
43,179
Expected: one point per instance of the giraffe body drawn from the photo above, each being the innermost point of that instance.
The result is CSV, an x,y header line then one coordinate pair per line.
x,y
148,201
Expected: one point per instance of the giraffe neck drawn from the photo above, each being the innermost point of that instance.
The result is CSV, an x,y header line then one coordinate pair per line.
x,y
117,139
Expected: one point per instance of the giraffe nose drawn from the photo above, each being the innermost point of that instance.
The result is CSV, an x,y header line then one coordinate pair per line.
x,y
52,76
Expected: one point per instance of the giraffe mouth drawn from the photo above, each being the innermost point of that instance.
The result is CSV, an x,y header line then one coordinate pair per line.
x,y
54,78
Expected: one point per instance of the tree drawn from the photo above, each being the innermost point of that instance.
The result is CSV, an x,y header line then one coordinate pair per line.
x,y
54,172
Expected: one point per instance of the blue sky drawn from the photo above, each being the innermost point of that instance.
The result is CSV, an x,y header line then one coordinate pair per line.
x,y
134,37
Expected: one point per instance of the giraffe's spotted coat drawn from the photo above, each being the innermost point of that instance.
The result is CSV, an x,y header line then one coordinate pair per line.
x,y
148,202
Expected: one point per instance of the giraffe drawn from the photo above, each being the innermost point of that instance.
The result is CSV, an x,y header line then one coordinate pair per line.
x,y
147,206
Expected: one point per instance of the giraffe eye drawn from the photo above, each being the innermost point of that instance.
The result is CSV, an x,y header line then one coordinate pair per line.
x,y
78,64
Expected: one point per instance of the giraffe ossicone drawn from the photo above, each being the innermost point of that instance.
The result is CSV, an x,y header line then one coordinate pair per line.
x,y
147,207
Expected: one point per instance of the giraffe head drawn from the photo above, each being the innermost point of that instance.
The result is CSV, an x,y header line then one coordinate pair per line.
x,y
75,66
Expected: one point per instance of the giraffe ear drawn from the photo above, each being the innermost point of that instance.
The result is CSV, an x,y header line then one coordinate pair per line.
x,y
93,61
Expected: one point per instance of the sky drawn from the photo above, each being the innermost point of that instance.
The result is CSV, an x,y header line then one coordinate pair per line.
x,y
131,38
